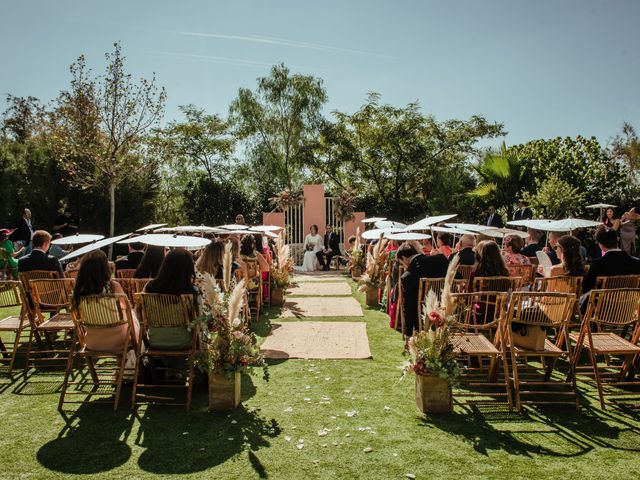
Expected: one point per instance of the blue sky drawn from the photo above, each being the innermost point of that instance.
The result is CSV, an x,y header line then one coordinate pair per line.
x,y
544,68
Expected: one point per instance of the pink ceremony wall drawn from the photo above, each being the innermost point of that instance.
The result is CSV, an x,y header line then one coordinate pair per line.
x,y
273,218
314,208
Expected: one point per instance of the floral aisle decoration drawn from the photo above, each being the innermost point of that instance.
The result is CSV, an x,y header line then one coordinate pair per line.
x,y
345,205
356,258
228,347
432,355
370,282
286,199
281,272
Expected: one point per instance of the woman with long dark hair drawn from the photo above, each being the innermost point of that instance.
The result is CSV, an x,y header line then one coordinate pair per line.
x,y
94,278
176,277
571,263
489,261
150,262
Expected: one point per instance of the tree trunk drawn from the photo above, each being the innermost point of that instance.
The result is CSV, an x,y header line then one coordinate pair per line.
x,y
112,213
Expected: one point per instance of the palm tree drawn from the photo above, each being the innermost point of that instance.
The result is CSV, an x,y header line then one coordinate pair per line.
x,y
501,176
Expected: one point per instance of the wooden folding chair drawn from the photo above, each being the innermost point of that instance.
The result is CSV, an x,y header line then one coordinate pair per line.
x,y
254,287
525,272
160,311
563,284
496,284
125,273
609,310
465,271
479,320
266,288
101,313
436,285
12,295
26,277
531,310
131,286
71,273
52,297
617,281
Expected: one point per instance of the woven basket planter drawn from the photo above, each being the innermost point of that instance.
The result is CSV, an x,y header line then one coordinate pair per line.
x,y
223,394
433,394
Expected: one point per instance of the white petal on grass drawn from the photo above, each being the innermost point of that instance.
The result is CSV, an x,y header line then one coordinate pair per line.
x,y
368,450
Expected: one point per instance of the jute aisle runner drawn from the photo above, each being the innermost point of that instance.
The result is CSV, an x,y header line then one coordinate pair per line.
x,y
318,297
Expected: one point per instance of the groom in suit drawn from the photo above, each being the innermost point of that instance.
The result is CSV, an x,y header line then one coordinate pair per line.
x,y
331,248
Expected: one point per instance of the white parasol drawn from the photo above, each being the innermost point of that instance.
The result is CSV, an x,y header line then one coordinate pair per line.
x,y
407,236
570,224
373,219
267,228
503,232
167,240
93,246
234,226
470,227
453,231
390,224
77,239
426,222
534,223
376,232
601,206
153,226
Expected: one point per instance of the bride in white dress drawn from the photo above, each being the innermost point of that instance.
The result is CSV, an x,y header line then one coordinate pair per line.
x,y
312,245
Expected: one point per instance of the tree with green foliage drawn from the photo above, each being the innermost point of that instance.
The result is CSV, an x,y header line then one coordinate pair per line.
x,y
556,199
99,126
626,147
279,119
396,155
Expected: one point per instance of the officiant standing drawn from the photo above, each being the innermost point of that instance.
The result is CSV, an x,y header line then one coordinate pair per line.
x,y
331,248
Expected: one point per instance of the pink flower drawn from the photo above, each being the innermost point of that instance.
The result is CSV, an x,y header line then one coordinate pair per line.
x,y
436,319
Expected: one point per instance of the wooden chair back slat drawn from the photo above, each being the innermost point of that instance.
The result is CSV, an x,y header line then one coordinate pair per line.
x,y
125,273
560,284
26,277
544,309
11,294
479,310
166,311
496,284
52,294
616,307
71,273
103,311
525,272
131,286
617,281
465,272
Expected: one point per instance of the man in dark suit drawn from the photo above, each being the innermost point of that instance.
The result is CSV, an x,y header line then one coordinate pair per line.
x,y
418,265
465,253
613,261
494,219
523,212
132,260
331,248
39,259
23,231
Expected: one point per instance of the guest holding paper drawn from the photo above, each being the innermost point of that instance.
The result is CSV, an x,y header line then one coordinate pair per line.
x,y
571,263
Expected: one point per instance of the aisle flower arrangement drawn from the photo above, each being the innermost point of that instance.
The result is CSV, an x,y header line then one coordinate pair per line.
x,y
432,356
370,282
281,272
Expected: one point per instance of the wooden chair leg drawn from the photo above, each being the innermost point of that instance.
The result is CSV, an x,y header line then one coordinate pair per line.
x,y
516,385
596,373
67,373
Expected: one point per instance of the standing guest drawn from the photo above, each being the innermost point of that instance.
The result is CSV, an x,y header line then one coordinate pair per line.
x,y
523,212
444,242
613,261
94,278
8,255
211,261
239,219
23,232
465,247
65,224
56,250
133,258
494,219
628,231
331,247
571,263
418,265
551,249
39,259
150,263
610,220
176,277
533,243
512,251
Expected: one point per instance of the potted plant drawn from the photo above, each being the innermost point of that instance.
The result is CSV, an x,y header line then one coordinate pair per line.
x,y
280,273
432,357
228,347
370,282
357,263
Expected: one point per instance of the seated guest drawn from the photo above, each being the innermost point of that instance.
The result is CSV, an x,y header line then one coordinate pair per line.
x,y
418,266
251,257
132,260
511,251
489,261
551,249
351,242
94,278
8,254
444,242
465,247
212,259
532,244
330,247
39,259
613,261
427,246
176,277
571,263
150,263
240,268
56,250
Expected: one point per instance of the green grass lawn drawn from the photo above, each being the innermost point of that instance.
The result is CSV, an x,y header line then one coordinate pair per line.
x,y
303,398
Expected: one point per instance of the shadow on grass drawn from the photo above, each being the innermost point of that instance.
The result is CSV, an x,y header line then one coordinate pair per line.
x,y
94,440
201,440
